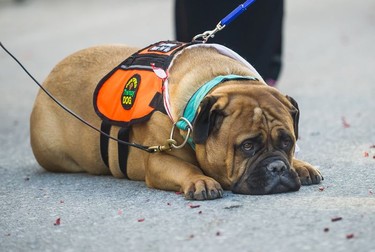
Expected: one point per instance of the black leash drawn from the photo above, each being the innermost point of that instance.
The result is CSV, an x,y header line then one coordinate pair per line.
x,y
138,146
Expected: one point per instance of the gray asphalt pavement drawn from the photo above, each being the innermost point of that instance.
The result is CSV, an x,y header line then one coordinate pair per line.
x,y
329,69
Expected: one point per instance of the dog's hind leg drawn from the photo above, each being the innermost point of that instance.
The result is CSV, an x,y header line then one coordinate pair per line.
x,y
47,144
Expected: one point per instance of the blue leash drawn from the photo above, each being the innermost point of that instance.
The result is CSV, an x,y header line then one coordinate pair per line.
x,y
224,22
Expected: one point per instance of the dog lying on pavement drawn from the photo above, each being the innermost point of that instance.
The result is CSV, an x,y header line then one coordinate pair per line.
x,y
243,132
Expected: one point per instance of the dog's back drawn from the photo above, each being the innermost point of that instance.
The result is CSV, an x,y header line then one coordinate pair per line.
x,y
57,138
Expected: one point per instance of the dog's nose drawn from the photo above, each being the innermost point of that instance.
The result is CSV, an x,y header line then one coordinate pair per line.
x,y
277,167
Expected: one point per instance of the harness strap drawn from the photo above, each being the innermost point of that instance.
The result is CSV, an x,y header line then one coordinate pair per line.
x,y
104,141
123,151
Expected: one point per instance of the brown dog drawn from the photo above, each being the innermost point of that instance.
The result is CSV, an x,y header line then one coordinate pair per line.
x,y
244,131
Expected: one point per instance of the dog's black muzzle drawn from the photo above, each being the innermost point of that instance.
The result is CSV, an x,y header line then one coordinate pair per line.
x,y
272,174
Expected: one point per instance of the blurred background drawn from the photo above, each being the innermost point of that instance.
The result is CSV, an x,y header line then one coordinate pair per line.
x,y
328,67
327,48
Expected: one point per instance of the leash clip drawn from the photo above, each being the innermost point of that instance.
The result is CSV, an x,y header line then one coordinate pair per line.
x,y
203,37
225,21
160,148
171,143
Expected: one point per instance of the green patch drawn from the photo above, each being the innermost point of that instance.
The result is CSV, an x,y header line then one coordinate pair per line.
x,y
130,91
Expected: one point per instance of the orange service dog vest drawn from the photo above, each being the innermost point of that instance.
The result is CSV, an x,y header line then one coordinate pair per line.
x,y
132,91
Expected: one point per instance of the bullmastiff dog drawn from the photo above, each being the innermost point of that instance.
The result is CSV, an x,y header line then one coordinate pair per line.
x,y
244,131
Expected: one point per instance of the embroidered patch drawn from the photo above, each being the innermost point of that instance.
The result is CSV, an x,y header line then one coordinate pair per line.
x,y
164,47
130,91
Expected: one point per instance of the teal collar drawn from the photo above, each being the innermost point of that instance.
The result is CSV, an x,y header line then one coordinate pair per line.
x,y
192,106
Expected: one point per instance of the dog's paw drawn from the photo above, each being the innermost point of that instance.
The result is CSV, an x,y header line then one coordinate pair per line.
x,y
202,188
307,173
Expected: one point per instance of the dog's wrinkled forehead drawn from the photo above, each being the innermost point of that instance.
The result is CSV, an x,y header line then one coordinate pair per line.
x,y
260,104
257,117
258,98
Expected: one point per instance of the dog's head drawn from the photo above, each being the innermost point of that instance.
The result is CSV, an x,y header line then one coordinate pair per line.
x,y
245,138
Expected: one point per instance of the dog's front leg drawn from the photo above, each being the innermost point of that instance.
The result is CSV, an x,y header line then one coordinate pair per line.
x,y
307,173
168,172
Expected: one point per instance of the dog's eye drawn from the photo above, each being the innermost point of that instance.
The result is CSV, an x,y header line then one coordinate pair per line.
x,y
285,141
247,146
250,146
286,144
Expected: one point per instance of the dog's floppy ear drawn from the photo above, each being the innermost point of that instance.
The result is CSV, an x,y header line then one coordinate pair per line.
x,y
208,119
295,115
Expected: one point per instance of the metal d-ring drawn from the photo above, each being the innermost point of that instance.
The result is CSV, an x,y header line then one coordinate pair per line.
x,y
189,130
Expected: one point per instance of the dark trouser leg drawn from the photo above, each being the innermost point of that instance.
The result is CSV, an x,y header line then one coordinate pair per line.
x,y
256,34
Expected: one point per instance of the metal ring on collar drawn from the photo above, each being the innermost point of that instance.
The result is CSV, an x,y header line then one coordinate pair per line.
x,y
189,130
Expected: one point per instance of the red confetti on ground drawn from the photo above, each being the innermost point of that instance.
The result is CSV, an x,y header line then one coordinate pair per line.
x,y
194,206
345,124
326,230
178,193
321,188
120,212
141,220
349,236
336,219
365,154
57,222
